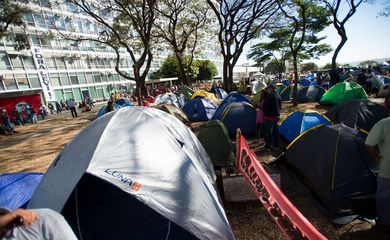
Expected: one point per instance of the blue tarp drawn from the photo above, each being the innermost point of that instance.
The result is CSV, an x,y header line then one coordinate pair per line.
x,y
298,122
240,115
231,98
122,101
16,188
103,110
200,109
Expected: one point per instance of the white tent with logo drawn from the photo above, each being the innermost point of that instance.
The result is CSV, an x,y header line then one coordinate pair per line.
x,y
135,173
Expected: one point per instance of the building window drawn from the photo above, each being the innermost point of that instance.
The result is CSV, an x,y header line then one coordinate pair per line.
x,y
28,18
9,82
74,79
96,77
16,61
4,62
103,76
55,79
51,64
59,95
89,77
92,92
60,62
82,78
65,79
34,80
77,94
39,20
22,81
28,62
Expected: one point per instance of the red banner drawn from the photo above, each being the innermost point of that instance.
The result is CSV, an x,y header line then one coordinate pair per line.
x,y
10,103
283,212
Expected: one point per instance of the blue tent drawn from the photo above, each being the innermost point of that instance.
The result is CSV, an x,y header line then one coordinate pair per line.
x,y
386,79
240,115
122,101
310,94
200,109
305,82
286,82
103,110
313,83
16,189
220,93
300,121
231,98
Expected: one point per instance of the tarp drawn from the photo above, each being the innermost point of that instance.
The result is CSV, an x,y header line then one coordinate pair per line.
x,y
288,218
215,140
240,115
103,110
200,109
174,111
333,163
231,98
360,114
300,121
220,93
202,93
139,173
310,94
342,92
16,188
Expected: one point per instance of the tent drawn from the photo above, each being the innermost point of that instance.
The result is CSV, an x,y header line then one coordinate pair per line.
x,y
287,93
300,121
310,94
200,109
174,111
231,98
220,93
240,115
362,114
167,98
305,82
215,140
342,92
333,163
16,188
280,87
243,88
202,93
103,110
186,91
122,101
258,74
136,173
286,82
386,79
384,90
257,85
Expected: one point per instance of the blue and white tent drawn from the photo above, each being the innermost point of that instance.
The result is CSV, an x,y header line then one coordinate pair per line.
x,y
200,109
135,173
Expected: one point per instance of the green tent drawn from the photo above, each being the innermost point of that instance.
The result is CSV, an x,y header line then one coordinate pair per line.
x,y
174,111
287,93
280,87
215,139
342,92
256,98
187,92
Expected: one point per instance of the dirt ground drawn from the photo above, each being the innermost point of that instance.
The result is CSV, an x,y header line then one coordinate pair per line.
x,y
34,147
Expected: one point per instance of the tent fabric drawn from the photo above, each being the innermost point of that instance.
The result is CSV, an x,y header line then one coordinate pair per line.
x,y
167,98
334,164
342,92
187,92
256,98
257,85
386,79
384,90
122,101
240,115
300,121
202,93
215,140
16,189
286,82
310,94
103,110
360,114
287,93
242,88
155,161
231,98
280,87
220,93
174,111
200,109
305,82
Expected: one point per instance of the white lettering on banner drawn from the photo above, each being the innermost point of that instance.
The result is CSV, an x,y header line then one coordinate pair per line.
x,y
43,74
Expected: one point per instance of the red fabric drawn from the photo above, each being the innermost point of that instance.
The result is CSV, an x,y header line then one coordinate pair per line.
x,y
273,119
10,103
277,204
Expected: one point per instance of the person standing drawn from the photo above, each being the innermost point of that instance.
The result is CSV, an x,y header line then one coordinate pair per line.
x,y
6,121
72,106
18,116
58,108
271,107
369,79
42,112
260,116
34,118
379,136
51,108
361,78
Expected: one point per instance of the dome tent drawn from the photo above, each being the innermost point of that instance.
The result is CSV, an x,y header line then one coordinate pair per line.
x,y
342,92
333,163
240,115
103,110
174,111
109,172
231,98
167,98
220,93
300,121
287,93
310,94
122,101
304,82
362,114
186,91
202,93
200,109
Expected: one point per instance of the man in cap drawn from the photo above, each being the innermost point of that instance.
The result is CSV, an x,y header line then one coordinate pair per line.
x,y
271,107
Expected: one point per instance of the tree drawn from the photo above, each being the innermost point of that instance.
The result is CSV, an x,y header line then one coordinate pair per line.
x,y
308,66
304,19
239,21
334,7
367,63
126,26
329,66
274,67
169,67
180,23
207,70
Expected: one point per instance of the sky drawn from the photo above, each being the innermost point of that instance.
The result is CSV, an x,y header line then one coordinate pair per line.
x,y
368,37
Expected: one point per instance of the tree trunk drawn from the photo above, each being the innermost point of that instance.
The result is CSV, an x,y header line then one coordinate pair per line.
x,y
334,78
139,85
230,76
296,79
225,71
182,70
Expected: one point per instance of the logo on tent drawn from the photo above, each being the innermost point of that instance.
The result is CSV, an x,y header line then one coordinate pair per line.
x,y
126,180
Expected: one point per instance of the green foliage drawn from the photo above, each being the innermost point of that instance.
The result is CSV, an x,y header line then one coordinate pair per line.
x,y
329,66
309,66
207,70
274,67
169,67
367,62
11,13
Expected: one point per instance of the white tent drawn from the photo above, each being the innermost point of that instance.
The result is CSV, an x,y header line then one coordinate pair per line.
x,y
135,173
